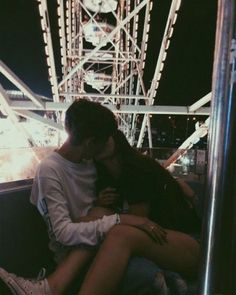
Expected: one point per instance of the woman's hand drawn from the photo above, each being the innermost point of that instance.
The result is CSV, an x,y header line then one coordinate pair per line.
x,y
107,197
155,231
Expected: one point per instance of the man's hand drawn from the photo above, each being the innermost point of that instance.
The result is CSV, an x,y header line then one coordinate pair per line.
x,y
107,197
95,213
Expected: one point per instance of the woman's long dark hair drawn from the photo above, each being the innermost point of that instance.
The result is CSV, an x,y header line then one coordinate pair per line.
x,y
133,159
157,185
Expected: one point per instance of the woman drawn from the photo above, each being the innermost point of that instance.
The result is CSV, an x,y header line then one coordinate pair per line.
x,y
152,192
124,174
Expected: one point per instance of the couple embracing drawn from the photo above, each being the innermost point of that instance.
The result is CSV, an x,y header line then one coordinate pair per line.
x,y
104,202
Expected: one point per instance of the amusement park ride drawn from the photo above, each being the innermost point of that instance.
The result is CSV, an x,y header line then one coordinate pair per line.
x,y
103,46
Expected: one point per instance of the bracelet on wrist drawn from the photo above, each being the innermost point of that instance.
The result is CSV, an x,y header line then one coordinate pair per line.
x,y
117,218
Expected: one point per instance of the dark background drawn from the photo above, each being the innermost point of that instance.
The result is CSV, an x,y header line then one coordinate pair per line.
x,y
187,72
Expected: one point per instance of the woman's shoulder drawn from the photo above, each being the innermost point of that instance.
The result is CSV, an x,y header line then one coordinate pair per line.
x,y
153,166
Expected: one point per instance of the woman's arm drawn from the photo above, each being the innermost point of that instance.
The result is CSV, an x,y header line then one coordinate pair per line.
x,y
188,192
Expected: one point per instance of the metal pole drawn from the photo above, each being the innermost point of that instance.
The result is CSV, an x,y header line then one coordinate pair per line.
x,y
218,275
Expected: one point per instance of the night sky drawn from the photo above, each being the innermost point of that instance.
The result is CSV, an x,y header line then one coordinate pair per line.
x,y
188,69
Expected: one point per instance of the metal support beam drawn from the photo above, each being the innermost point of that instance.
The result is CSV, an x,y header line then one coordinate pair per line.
x,y
172,17
134,109
20,84
201,102
47,36
62,32
5,103
33,116
102,96
188,143
219,236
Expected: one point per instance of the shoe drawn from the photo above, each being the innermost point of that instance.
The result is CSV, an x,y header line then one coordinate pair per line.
x,y
21,286
177,284
160,284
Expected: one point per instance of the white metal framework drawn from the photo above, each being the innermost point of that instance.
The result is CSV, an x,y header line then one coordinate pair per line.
x,y
105,52
103,46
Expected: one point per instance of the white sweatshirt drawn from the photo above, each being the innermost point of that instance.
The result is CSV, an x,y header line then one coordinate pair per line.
x,y
64,191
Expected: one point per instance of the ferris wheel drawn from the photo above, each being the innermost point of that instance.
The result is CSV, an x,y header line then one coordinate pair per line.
x,y
103,45
103,53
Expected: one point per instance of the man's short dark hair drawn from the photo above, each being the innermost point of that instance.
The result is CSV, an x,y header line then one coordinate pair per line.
x,y
86,119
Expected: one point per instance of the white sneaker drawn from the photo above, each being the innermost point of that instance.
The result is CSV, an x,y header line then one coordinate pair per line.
x,y
21,286
160,284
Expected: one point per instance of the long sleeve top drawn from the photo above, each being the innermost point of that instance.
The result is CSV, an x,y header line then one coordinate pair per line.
x,y
64,191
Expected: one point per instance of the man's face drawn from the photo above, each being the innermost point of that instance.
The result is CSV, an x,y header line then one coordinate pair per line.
x,y
98,150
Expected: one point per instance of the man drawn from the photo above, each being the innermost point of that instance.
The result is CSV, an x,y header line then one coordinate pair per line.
x,y
64,193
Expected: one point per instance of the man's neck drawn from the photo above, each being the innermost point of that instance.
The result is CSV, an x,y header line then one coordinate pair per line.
x,y
70,152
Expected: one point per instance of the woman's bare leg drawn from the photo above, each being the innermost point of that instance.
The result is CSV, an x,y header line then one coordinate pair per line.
x,y
76,260
180,254
68,270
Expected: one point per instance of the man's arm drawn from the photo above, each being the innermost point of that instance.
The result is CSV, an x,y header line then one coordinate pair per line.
x,y
54,209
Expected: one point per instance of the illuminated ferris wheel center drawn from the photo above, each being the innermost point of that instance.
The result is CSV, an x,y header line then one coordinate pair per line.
x,y
103,6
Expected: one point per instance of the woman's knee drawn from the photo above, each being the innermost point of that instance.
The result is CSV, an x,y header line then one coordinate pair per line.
x,y
124,234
